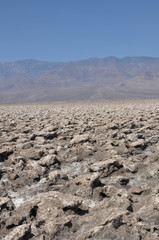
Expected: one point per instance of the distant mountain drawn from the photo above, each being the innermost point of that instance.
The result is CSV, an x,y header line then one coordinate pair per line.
x,y
31,81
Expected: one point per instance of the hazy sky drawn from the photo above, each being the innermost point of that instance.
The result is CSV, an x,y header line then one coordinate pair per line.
x,y
65,30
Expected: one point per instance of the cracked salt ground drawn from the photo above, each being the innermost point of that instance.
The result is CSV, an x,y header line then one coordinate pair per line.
x,y
73,169
79,171
17,201
25,194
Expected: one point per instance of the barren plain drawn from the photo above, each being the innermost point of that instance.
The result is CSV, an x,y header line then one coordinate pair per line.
x,y
74,171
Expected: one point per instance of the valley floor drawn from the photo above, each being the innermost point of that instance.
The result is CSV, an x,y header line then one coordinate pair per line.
x,y
80,171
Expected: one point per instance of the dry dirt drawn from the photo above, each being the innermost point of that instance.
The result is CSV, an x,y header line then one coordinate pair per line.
x,y
80,171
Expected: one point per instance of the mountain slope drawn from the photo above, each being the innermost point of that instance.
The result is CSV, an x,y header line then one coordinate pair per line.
x,y
90,79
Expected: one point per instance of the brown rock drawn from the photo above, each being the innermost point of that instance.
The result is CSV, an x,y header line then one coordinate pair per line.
x,y
4,153
19,233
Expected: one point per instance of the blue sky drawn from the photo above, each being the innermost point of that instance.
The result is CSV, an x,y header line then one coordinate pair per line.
x,y
67,30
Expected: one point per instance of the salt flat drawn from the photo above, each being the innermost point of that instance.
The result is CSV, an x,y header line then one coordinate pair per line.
x,y
79,171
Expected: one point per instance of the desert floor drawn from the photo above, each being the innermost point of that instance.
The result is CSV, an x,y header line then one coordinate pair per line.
x,y
77,171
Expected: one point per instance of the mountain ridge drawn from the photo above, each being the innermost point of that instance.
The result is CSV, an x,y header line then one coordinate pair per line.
x,y
31,80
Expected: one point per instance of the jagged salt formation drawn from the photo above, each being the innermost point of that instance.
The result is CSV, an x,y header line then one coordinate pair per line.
x,y
79,171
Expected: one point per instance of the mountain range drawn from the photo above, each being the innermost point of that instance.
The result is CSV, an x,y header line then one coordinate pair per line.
x,y
93,79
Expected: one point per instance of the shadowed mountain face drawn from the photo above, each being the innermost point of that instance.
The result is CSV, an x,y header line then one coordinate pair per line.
x,y
30,81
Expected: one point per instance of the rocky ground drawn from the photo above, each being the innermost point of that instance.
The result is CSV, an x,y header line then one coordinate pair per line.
x,y
80,171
